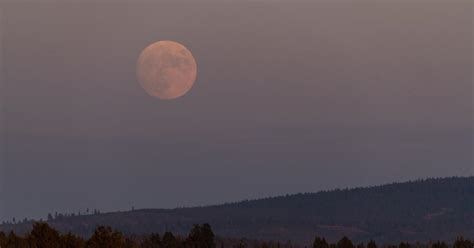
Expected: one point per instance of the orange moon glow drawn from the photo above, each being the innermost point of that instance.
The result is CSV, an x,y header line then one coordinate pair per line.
x,y
166,69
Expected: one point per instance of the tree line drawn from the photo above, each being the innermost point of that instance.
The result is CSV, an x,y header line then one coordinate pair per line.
x,y
44,236
201,236
347,243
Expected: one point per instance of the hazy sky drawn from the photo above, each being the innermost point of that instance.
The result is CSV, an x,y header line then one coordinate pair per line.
x,y
290,97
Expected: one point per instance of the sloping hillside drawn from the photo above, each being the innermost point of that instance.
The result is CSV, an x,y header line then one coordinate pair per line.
x,y
422,210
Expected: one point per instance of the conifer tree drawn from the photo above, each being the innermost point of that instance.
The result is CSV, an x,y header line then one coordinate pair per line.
x,y
345,243
105,237
320,243
42,235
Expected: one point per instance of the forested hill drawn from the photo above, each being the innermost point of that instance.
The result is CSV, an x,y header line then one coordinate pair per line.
x,y
422,210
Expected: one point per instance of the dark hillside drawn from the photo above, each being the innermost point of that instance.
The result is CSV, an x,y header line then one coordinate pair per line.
x,y
414,211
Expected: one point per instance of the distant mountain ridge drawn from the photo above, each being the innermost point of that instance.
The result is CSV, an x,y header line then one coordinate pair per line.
x,y
421,210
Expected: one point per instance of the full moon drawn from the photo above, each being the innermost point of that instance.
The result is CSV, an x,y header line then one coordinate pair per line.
x,y
166,70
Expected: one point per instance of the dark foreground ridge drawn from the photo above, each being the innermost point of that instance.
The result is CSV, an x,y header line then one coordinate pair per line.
x,y
200,236
423,210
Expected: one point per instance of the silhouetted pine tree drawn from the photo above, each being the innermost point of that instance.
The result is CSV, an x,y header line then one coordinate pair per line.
x,y
345,243
169,241
201,237
463,243
13,241
439,245
131,243
70,240
153,241
320,243
404,245
3,239
105,237
371,244
42,235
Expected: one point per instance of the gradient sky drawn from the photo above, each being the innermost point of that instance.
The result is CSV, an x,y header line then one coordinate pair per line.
x,y
290,97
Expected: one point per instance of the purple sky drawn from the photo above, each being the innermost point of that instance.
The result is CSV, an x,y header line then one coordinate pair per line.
x,y
289,97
